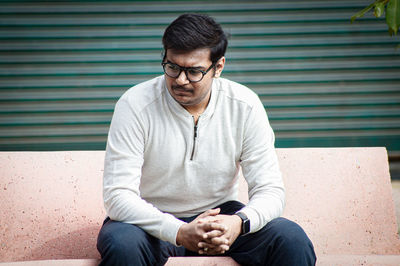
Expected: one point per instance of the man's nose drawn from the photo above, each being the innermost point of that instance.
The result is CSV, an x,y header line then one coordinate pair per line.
x,y
182,78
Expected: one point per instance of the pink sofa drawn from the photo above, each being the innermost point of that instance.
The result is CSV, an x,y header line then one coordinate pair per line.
x,y
51,206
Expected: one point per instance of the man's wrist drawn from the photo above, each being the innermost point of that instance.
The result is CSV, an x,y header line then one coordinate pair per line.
x,y
179,236
245,223
239,223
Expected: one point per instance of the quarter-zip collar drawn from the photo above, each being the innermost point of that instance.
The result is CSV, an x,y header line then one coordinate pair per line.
x,y
180,111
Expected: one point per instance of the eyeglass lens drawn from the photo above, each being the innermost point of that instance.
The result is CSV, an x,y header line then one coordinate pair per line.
x,y
174,71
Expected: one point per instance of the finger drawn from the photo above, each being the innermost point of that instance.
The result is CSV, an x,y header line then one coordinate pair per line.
x,y
211,212
213,250
217,250
208,219
224,248
207,227
212,234
207,251
203,245
204,248
219,241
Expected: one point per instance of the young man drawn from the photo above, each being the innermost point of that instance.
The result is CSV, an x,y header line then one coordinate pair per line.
x,y
174,150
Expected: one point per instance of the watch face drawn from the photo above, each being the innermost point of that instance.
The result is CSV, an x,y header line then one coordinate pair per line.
x,y
245,223
246,226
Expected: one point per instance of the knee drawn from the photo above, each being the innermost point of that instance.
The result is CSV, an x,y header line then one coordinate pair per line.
x,y
291,237
119,240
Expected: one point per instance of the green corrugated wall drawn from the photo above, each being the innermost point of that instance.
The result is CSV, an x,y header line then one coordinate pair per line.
x,y
323,80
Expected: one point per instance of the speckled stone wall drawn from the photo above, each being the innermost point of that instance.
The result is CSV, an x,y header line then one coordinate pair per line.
x,y
51,202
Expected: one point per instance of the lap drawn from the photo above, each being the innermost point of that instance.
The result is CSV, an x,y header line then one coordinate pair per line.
x,y
272,245
279,227
122,241
278,238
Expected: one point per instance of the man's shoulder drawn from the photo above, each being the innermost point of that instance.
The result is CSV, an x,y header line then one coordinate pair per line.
x,y
237,92
144,93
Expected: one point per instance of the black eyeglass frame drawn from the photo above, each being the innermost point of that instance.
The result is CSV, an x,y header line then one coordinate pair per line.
x,y
186,70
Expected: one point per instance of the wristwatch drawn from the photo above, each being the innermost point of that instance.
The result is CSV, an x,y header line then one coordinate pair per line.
x,y
245,223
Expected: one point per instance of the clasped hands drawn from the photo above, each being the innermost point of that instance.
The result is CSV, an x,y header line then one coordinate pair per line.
x,y
210,233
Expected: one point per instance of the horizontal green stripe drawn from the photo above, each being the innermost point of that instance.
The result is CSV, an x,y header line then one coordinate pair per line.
x,y
250,83
225,18
94,61
347,4
140,49
293,95
158,37
266,106
80,38
221,11
269,108
155,60
164,25
391,142
246,83
271,117
155,73
83,99
181,9
390,42
338,105
344,117
264,96
84,145
54,136
267,85
333,132
39,124
57,111
331,93
332,129
393,55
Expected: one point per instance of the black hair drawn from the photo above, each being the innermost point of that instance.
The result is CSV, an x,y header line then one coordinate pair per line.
x,y
193,31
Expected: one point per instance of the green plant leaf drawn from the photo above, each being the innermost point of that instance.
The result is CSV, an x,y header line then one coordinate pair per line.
x,y
379,9
361,13
393,16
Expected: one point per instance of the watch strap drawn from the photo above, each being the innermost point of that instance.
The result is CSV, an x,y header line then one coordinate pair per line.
x,y
245,223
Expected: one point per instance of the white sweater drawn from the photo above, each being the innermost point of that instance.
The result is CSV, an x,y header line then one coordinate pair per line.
x,y
156,169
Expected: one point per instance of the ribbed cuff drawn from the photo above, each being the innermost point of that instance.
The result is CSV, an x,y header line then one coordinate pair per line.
x,y
169,229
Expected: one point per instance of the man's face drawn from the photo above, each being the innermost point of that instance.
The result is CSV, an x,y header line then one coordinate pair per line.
x,y
192,94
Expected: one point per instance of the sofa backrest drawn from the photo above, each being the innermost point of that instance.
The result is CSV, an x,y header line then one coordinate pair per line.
x,y
51,202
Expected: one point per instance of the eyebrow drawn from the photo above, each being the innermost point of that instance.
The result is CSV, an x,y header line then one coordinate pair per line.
x,y
195,67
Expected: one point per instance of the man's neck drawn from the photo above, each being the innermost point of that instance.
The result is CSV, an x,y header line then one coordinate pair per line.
x,y
196,111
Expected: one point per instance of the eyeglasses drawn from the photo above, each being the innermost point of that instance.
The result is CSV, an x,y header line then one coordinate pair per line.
x,y
192,74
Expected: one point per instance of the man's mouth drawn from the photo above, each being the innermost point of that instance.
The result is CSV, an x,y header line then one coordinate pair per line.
x,y
181,90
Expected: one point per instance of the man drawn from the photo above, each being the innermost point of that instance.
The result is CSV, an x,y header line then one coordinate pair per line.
x,y
174,150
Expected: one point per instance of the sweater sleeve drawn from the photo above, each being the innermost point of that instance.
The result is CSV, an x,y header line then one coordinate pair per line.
x,y
122,174
261,170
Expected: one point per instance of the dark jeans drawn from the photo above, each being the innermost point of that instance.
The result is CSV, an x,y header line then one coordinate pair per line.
x,y
281,242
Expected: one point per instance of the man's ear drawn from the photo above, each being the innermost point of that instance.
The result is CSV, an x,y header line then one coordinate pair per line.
x,y
219,66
